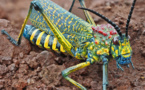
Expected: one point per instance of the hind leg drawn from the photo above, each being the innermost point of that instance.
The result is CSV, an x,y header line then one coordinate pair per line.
x,y
21,32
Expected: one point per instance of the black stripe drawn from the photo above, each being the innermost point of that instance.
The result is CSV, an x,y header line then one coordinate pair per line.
x,y
36,36
58,45
31,30
43,39
51,38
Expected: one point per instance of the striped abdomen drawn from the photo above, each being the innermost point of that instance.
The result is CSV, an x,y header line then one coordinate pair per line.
x,y
41,39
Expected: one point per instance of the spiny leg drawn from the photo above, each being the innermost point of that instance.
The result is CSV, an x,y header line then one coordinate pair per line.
x,y
88,16
105,72
21,32
69,70
62,40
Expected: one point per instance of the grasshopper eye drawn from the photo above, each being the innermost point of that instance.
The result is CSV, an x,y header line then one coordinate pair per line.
x,y
115,41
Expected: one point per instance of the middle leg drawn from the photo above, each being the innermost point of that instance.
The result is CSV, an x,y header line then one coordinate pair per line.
x,y
69,70
105,72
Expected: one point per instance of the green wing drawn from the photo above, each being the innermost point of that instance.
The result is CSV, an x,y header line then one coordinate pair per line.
x,y
75,30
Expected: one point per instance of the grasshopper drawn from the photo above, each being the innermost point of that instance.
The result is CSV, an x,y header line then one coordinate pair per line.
x,y
56,29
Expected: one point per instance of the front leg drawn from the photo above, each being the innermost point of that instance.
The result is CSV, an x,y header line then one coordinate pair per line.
x,y
69,70
105,72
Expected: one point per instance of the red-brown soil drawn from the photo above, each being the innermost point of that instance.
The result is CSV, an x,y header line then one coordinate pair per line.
x,y
28,67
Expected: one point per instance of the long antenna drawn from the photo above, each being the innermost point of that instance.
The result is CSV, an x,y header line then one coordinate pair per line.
x,y
106,19
129,16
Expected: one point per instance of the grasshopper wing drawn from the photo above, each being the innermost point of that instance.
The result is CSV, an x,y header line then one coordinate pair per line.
x,y
75,30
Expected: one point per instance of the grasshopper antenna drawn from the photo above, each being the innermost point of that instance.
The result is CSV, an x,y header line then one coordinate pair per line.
x,y
129,16
106,19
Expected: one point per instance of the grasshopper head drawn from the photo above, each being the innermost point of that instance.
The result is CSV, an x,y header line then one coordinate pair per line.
x,y
121,50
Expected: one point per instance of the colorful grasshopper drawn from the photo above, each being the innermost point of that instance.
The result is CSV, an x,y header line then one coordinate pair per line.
x,y
59,30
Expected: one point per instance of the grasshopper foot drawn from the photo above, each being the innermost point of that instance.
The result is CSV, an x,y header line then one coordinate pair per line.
x,y
9,37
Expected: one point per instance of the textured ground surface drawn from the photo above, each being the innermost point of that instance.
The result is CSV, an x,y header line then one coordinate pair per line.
x,y
29,68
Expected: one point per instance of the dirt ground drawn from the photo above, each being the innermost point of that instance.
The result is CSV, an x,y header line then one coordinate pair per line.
x,y
28,67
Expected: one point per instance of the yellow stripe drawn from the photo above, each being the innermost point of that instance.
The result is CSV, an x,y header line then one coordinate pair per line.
x,y
54,44
39,39
46,42
61,48
33,34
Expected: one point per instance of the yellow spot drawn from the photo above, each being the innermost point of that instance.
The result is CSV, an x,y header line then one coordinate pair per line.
x,y
58,15
123,52
54,11
54,44
69,26
127,43
106,50
46,42
62,17
75,22
128,50
116,52
67,18
69,22
37,17
123,44
62,49
57,22
59,26
99,52
33,34
73,27
39,39
91,47
112,48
